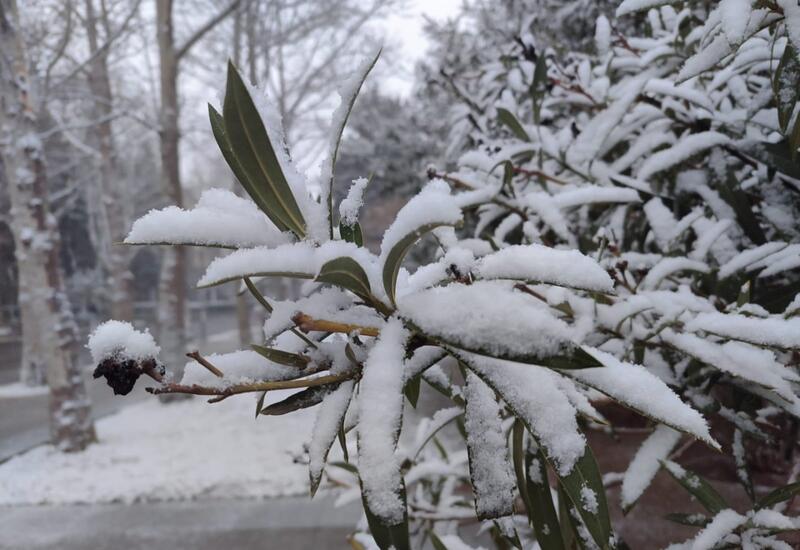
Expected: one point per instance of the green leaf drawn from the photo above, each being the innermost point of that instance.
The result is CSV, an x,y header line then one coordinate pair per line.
x,y
260,403
542,510
346,273
436,541
738,201
697,486
692,520
255,155
507,118
395,257
351,233
777,156
411,390
785,88
262,200
301,400
518,459
282,357
388,536
569,538
539,87
586,476
779,495
339,130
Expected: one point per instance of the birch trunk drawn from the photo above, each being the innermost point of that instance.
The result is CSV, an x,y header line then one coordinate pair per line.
x,y
172,284
49,339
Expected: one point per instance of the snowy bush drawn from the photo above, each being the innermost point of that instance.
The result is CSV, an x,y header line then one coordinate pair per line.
x,y
670,157
632,234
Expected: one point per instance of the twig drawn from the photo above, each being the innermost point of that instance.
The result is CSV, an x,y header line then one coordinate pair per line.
x,y
200,359
250,387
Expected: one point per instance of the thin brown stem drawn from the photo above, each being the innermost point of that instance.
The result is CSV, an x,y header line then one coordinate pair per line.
x,y
307,323
250,387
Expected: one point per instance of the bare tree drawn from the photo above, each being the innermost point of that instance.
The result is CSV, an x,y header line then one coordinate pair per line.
x,y
112,195
49,339
172,285
301,49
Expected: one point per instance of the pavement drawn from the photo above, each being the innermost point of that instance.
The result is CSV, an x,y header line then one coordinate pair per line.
x,y
287,523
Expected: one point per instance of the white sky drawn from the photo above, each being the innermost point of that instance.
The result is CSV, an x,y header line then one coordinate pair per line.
x,y
406,30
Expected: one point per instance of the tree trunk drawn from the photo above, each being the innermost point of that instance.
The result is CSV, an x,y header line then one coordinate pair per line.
x,y
242,299
112,198
49,341
172,286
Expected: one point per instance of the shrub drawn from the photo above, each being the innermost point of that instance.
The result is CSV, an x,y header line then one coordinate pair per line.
x,y
631,234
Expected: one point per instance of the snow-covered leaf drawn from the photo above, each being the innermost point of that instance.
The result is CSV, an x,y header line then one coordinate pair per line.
x,y
380,405
330,417
489,465
348,94
541,264
432,208
646,463
697,486
637,388
491,318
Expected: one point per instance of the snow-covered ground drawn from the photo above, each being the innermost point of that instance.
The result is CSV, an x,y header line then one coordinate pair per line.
x,y
18,389
184,450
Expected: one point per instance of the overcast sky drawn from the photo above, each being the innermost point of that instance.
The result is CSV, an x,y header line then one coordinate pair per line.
x,y
407,31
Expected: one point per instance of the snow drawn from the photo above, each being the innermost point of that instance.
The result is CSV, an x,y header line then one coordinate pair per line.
x,y
238,367
636,387
646,463
686,147
477,318
19,390
749,256
602,35
533,395
295,258
751,364
350,205
630,6
593,136
791,15
492,478
668,266
118,339
348,91
721,525
734,15
380,410
593,194
589,499
150,452
774,331
220,218
330,415
543,264
434,205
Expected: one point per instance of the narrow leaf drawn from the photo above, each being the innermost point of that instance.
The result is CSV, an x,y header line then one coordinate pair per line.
x,y
254,152
697,486
282,357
